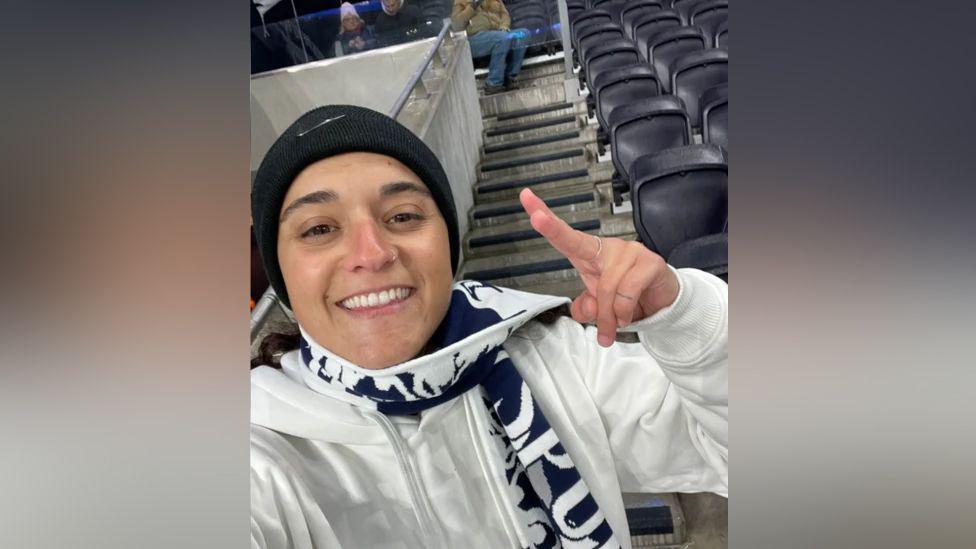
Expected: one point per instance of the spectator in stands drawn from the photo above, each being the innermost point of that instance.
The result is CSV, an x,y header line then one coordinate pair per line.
x,y
398,22
413,411
355,35
487,23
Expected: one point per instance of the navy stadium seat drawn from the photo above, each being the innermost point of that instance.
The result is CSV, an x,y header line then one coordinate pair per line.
x,y
671,43
680,194
634,10
708,14
706,253
620,86
594,35
612,54
645,127
695,72
588,17
650,24
715,115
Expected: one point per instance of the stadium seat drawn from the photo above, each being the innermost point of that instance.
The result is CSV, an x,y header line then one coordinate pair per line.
x,y
721,39
707,253
588,17
680,194
650,24
671,43
708,14
693,73
621,86
634,10
594,35
599,3
645,127
612,54
715,116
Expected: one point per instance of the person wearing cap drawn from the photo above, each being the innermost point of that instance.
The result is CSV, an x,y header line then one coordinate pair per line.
x,y
487,25
413,410
355,36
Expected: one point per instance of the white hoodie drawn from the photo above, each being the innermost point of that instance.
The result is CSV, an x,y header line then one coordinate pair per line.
x,y
642,417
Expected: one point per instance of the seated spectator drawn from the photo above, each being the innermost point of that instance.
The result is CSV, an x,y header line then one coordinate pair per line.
x,y
487,24
355,36
397,22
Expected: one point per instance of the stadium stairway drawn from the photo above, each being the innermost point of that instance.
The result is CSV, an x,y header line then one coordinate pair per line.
x,y
534,137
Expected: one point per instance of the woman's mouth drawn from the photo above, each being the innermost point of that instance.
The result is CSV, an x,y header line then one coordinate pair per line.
x,y
376,303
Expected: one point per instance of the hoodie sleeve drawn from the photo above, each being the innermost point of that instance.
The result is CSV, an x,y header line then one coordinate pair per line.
x,y
664,400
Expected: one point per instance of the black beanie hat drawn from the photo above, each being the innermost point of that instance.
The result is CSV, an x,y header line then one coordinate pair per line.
x,y
325,132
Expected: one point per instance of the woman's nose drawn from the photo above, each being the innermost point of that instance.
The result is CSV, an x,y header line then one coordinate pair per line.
x,y
369,249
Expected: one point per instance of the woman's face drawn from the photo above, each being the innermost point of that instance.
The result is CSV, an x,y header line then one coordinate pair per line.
x,y
366,258
350,24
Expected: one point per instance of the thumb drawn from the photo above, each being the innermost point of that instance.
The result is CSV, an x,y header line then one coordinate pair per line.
x,y
584,308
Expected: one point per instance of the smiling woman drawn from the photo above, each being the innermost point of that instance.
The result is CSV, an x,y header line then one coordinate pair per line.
x,y
364,250
418,411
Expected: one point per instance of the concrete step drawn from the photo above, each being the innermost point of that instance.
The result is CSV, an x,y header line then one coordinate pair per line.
x,y
530,72
535,114
539,145
572,158
534,129
500,213
508,190
525,98
519,235
536,81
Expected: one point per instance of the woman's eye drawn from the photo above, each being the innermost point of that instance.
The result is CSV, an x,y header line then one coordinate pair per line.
x,y
318,230
405,218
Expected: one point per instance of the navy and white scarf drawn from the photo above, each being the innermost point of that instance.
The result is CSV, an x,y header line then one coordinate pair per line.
x,y
555,500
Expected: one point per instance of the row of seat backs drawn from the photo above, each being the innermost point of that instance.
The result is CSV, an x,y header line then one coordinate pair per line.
x,y
680,195
657,123
690,75
707,14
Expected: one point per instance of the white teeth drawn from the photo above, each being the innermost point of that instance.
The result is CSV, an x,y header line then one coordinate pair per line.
x,y
376,298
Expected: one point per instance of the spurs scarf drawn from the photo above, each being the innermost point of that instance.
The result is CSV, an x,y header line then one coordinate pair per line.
x,y
556,504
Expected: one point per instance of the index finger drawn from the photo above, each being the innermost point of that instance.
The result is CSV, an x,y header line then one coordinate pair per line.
x,y
568,241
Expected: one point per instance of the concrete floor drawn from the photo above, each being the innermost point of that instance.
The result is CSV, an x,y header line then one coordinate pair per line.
x,y
707,520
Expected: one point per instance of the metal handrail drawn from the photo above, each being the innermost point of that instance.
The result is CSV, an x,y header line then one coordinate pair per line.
x,y
262,310
417,74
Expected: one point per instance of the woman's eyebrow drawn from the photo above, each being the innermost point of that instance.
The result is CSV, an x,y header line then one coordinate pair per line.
x,y
391,189
317,197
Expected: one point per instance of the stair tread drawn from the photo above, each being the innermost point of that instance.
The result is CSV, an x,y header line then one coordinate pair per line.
x,y
511,115
543,140
535,159
526,234
502,130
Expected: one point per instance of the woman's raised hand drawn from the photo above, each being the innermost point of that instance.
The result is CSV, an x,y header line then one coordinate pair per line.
x,y
625,282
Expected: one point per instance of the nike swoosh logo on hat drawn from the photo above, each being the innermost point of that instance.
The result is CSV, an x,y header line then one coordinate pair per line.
x,y
320,124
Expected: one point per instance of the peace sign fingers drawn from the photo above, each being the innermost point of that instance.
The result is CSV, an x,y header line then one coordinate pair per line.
x,y
577,246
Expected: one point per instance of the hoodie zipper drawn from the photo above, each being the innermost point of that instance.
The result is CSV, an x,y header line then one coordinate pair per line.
x,y
499,490
421,503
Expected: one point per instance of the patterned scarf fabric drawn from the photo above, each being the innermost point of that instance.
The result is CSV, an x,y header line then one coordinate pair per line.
x,y
556,504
